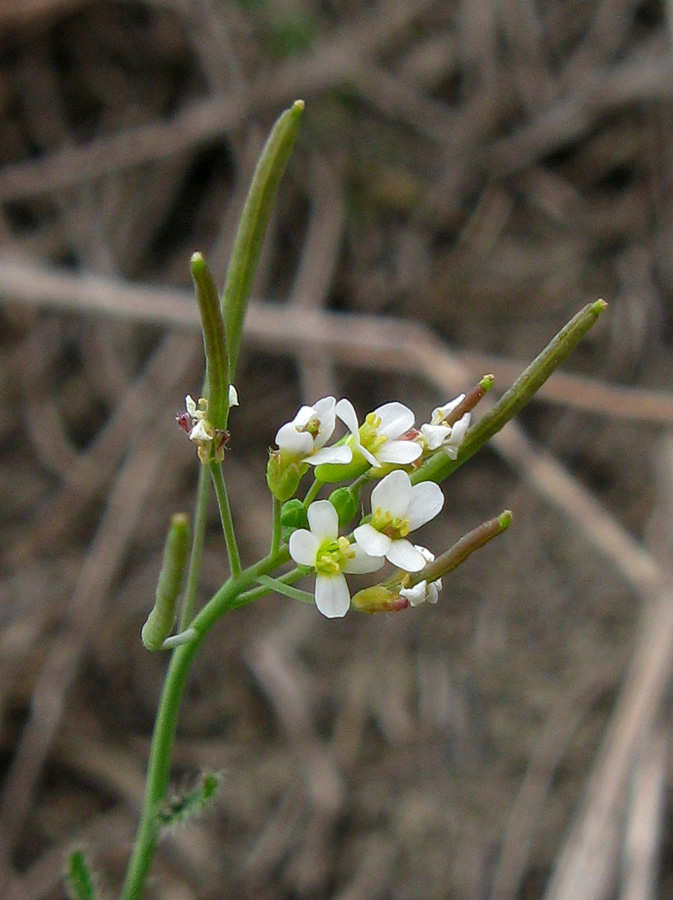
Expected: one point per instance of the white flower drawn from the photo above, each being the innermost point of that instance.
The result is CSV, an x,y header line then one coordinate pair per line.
x,y
378,439
331,556
201,430
422,592
438,434
304,438
398,507
233,396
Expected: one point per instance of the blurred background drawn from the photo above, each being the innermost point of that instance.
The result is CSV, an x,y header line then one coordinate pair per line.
x,y
469,174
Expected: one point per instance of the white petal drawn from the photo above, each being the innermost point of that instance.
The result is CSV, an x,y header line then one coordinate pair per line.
x,y
233,396
361,563
393,494
372,541
435,435
426,502
399,452
324,410
323,520
433,590
457,436
404,555
303,547
346,412
427,555
304,416
296,443
440,414
338,454
190,406
396,419
199,432
416,594
332,596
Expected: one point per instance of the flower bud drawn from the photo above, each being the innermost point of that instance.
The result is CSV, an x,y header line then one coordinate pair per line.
x,y
346,504
293,516
283,476
379,598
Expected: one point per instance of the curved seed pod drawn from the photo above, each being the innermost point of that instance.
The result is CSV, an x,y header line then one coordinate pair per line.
x,y
160,621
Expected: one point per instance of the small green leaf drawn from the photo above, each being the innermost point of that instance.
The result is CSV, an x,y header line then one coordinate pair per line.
x,y
252,228
80,882
181,808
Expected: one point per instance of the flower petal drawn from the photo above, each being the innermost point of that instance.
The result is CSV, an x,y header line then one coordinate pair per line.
x,y
396,419
401,453
405,556
199,432
360,562
416,594
332,596
440,414
346,412
324,410
453,444
426,502
393,494
373,542
323,520
435,435
303,547
339,454
296,443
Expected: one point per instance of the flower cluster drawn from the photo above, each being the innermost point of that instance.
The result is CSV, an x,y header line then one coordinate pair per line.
x,y
388,447
194,421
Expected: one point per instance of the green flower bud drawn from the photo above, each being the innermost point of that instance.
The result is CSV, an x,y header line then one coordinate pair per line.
x,y
379,598
293,514
346,504
283,476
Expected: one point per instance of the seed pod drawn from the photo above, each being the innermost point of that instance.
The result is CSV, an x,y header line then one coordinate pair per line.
x,y
160,621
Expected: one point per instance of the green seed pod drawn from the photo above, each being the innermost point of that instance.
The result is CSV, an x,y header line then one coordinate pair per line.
x,y
346,504
160,621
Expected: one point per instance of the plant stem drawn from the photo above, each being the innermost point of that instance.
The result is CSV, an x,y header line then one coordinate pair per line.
x,y
225,516
198,537
277,526
158,769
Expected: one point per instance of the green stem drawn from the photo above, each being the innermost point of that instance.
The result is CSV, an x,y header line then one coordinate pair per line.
x,y
198,539
277,525
256,593
312,493
228,597
226,517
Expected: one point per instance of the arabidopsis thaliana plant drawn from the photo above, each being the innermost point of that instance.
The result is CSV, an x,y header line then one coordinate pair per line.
x,y
398,507
304,438
330,556
422,592
438,434
378,439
